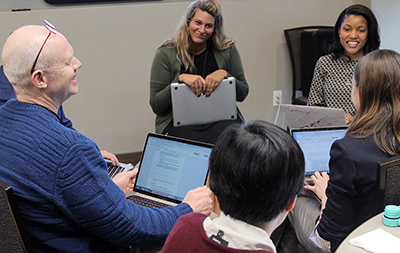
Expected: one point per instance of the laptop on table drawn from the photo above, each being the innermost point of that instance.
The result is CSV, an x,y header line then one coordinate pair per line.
x,y
188,109
169,168
316,143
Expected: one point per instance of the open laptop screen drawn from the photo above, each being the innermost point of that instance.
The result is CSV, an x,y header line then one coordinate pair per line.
x,y
171,166
316,145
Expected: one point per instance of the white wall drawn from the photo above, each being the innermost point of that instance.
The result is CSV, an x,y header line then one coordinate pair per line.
x,y
116,45
387,13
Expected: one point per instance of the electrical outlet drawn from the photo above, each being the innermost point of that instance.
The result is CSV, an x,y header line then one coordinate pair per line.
x,y
277,97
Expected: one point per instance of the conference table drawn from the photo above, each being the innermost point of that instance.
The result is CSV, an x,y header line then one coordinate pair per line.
x,y
370,225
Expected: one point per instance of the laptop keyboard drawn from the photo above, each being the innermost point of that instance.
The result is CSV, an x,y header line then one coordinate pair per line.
x,y
308,181
146,202
114,170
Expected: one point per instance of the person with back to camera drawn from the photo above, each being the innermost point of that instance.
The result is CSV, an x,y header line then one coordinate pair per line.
x,y
356,33
200,55
256,170
60,181
348,194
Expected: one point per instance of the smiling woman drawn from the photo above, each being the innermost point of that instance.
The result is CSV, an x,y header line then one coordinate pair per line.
x,y
356,33
201,27
200,55
348,194
353,36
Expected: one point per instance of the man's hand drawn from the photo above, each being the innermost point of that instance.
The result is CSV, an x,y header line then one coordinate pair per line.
x,y
199,200
126,180
109,156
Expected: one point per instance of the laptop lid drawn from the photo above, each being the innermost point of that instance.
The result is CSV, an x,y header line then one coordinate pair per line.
x,y
316,145
170,167
188,109
300,116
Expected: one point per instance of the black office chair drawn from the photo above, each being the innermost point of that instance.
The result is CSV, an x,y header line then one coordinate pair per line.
x,y
14,237
388,182
306,44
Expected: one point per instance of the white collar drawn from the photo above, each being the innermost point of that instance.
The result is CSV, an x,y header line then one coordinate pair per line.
x,y
238,234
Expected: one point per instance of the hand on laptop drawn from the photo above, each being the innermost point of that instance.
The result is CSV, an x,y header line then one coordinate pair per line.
x,y
349,118
200,85
109,156
199,200
195,82
126,180
213,80
320,184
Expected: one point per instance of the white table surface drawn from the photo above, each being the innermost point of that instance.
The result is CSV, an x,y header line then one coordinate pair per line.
x,y
370,225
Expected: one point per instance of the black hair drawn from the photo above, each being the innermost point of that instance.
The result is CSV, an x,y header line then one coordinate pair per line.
x,y
373,38
256,169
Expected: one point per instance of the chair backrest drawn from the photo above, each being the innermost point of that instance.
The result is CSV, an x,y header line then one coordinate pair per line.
x,y
306,44
14,237
388,182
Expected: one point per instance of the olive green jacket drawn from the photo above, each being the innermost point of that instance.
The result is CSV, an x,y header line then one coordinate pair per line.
x,y
166,70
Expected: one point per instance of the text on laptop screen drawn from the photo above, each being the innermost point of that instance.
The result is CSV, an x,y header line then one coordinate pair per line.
x,y
316,145
170,168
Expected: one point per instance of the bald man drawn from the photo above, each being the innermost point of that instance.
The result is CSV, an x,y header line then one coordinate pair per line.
x,y
7,93
59,178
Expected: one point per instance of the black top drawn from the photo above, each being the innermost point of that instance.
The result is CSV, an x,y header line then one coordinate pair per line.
x,y
205,63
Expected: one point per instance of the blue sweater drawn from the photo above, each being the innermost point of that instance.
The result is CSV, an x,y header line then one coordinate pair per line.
x,y
64,193
7,93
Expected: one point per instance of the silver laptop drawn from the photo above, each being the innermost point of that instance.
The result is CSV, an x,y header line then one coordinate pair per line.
x,y
113,170
168,169
316,145
300,116
188,109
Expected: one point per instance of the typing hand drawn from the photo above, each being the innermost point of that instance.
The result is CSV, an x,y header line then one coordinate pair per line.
x,y
320,184
199,200
107,155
